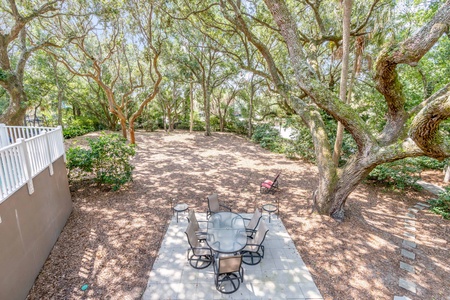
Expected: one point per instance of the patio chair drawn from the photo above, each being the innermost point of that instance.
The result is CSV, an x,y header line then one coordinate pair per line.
x,y
199,232
228,273
251,226
253,252
214,206
199,255
269,186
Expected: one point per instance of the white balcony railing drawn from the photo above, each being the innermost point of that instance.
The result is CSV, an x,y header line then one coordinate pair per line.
x,y
24,153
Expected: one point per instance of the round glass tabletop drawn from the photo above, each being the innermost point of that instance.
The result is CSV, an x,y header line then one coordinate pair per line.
x,y
270,207
181,207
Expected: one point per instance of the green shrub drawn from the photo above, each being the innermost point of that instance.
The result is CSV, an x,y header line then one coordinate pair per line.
x,y
441,205
71,132
214,122
78,127
400,174
108,159
301,144
149,125
267,136
430,163
238,126
79,158
198,125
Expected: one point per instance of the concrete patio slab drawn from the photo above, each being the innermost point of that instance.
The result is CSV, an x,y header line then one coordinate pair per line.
x,y
282,274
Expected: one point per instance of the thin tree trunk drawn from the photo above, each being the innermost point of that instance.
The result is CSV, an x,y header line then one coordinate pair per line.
x,y
60,99
347,6
191,99
35,114
164,119
207,111
169,118
447,174
222,125
250,109
123,125
60,92
132,135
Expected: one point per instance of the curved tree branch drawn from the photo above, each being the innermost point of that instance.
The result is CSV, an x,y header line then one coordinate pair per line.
x,y
425,127
408,52
321,95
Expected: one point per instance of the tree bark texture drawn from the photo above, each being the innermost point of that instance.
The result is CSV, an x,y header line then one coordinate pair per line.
x,y
398,140
15,113
191,106
347,8
11,77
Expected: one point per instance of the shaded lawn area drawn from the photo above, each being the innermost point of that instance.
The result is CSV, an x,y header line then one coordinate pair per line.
x,y
112,238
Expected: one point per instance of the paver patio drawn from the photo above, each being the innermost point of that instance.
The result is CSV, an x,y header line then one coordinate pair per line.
x,y
282,274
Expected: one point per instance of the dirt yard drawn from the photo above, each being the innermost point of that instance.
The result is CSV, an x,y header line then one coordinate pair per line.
x,y
112,238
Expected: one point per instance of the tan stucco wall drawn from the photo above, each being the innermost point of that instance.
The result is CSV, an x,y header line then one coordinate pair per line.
x,y
30,225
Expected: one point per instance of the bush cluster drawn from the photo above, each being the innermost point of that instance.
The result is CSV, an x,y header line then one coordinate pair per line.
x,y
267,136
74,131
108,159
399,174
79,127
238,126
441,205
198,125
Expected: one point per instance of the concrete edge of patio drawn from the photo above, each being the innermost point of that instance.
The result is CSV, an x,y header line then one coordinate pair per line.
x,y
282,274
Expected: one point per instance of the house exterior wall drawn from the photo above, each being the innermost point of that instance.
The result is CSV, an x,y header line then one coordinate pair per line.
x,y
29,227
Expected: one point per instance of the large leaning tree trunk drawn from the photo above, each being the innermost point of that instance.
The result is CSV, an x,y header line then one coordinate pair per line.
x,y
399,138
406,133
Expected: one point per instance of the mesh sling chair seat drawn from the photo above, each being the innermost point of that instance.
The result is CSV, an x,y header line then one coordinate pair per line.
x,y
199,232
228,273
269,186
214,206
253,252
199,254
253,223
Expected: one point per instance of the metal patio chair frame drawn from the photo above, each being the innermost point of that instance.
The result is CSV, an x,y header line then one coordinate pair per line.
x,y
269,186
253,223
214,206
228,269
199,232
253,252
199,254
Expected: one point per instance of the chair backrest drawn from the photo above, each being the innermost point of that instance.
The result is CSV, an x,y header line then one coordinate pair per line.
x,y
193,219
213,203
229,264
192,238
254,221
276,178
260,235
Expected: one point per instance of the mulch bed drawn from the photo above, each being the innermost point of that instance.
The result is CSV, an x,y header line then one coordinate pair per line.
x,y
112,238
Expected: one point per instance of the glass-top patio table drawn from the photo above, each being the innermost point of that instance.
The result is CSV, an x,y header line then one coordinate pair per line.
x,y
226,232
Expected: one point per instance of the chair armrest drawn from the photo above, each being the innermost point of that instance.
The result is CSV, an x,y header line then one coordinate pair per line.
x,y
257,245
224,206
202,248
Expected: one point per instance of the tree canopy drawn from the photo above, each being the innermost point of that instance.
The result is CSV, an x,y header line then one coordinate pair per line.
x,y
373,74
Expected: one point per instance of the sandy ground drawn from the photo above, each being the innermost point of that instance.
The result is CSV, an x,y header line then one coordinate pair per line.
x,y
112,238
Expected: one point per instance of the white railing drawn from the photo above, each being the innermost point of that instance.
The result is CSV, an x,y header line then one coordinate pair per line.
x,y
24,153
